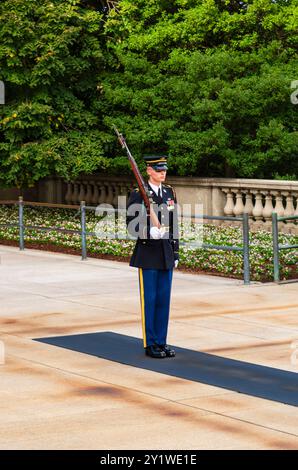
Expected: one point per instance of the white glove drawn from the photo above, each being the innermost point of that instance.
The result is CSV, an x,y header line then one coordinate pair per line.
x,y
176,263
164,233
155,233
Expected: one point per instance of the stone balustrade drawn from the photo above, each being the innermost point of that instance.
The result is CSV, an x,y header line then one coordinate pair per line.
x,y
260,199
214,196
96,191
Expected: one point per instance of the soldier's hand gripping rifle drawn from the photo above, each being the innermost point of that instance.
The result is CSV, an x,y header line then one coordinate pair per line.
x,y
141,183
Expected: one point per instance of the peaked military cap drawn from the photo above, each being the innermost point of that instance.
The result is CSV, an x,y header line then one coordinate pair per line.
x,y
158,162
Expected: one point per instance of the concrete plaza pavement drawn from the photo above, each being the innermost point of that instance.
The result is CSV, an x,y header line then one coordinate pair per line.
x,y
55,398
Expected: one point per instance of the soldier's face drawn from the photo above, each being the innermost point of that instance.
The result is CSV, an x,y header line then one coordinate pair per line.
x,y
156,177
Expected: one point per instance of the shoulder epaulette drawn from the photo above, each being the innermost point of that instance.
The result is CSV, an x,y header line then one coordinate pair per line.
x,y
173,190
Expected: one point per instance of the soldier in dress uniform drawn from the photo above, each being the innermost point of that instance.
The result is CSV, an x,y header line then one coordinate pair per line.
x,y
155,255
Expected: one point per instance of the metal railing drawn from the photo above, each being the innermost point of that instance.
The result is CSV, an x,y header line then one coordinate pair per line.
x,y
84,233
244,249
276,245
20,224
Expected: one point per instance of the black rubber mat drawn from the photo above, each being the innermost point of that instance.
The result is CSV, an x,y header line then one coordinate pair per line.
x,y
251,379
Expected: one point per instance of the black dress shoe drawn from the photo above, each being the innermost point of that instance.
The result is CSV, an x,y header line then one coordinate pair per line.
x,y
155,351
169,351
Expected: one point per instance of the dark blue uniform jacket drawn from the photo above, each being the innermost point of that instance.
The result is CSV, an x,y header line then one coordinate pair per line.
x,y
149,253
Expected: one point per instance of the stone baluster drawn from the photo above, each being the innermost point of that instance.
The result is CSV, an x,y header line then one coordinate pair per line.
x,y
75,194
82,191
116,190
248,207
228,209
88,195
110,194
289,210
279,207
267,211
121,193
295,195
68,195
95,196
258,207
239,206
295,230
102,193
123,189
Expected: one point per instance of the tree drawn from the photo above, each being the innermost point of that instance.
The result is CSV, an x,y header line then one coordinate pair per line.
x,y
50,55
208,81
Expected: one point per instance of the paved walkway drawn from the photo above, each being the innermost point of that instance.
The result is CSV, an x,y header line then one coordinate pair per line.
x,y
54,398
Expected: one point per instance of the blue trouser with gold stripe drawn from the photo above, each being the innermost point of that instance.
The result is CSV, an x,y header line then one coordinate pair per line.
x,y
155,293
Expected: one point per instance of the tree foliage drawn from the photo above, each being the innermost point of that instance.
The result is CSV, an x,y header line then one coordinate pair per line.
x,y
208,81
49,53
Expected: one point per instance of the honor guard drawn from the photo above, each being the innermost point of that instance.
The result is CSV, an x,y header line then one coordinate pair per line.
x,y
155,255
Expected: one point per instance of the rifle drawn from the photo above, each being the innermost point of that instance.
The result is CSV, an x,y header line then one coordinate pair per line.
x,y
140,180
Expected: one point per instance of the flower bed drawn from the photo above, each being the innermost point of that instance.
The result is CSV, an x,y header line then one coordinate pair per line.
x,y
224,263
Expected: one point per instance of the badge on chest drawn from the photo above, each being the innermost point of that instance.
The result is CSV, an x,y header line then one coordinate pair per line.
x,y
170,204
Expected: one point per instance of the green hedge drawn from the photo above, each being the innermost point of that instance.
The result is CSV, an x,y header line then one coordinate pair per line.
x,y
207,81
